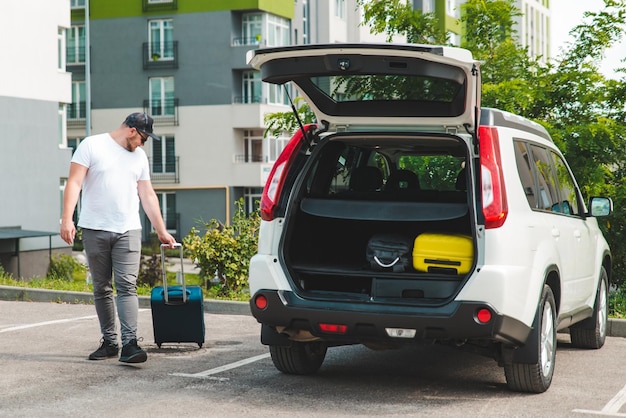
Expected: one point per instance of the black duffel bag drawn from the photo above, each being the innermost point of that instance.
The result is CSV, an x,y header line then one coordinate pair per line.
x,y
392,252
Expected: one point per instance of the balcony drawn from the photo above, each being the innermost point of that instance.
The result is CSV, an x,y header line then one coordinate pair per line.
x,y
75,56
166,58
249,99
167,172
251,41
164,112
76,114
159,5
242,158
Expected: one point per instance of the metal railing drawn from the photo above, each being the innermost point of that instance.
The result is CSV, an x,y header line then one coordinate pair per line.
x,y
74,55
167,172
76,114
249,99
242,158
153,59
164,112
246,41
149,6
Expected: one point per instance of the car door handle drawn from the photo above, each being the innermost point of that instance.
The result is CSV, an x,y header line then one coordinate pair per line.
x,y
577,234
556,233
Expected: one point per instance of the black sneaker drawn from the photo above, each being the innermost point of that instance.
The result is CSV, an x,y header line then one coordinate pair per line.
x,y
132,353
107,349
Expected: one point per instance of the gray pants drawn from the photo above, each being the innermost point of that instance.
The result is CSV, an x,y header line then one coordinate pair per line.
x,y
118,255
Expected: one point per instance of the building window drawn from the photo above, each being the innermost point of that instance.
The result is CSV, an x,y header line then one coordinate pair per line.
x,y
251,28
340,8
453,8
305,22
253,147
77,4
76,45
277,94
277,31
61,120
162,96
252,197
161,39
167,202
61,49
259,28
164,155
252,88
77,109
258,149
276,145
73,143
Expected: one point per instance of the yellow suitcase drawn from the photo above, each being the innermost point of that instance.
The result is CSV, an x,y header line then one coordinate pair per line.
x,y
443,253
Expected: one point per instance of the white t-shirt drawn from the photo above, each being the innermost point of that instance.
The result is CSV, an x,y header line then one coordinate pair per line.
x,y
110,201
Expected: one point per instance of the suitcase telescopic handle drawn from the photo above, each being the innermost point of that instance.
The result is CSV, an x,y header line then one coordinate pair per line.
x,y
182,271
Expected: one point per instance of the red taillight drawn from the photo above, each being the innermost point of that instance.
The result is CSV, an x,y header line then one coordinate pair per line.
x,y
260,302
333,328
276,179
495,207
483,315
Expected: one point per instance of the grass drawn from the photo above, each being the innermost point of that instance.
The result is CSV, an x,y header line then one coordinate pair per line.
x,y
79,284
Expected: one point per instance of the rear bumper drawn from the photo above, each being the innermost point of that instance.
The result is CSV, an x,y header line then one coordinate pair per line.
x,y
367,321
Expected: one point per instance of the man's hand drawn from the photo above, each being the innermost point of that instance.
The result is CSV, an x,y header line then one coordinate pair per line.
x,y
68,231
167,239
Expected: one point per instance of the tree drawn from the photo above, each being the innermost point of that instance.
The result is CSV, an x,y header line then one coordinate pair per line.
x,y
225,251
583,110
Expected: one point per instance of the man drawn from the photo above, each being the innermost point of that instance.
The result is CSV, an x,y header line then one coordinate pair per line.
x,y
113,173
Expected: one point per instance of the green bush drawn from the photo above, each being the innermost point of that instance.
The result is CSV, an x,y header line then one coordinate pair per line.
x,y
150,271
62,267
225,251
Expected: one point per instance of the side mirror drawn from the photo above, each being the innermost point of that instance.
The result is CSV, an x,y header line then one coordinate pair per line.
x,y
600,206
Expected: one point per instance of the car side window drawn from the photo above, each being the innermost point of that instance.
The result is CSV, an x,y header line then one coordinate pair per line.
x,y
569,203
525,171
547,195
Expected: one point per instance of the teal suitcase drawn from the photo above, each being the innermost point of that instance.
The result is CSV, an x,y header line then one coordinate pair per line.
x,y
177,311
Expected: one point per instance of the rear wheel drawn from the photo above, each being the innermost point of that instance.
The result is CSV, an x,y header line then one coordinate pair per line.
x,y
299,358
537,377
591,333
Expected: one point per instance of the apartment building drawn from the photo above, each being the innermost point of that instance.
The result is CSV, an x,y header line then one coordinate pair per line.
x,y
533,27
33,93
184,63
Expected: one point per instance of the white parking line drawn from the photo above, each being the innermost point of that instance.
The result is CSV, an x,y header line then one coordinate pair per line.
x,y
611,409
41,324
58,321
207,373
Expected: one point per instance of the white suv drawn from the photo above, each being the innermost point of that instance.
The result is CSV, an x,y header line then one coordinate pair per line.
x,y
401,150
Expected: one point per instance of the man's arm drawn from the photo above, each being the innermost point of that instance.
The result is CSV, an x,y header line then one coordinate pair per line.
x,y
150,204
70,199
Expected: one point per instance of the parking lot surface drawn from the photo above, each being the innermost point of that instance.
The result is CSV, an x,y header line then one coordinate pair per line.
x,y
45,372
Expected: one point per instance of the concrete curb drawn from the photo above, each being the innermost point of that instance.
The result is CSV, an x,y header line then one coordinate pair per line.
x,y
615,327
26,294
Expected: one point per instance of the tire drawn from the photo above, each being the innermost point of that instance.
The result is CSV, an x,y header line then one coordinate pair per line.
x,y
591,333
537,377
299,358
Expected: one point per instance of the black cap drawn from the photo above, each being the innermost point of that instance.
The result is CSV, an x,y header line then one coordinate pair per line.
x,y
142,122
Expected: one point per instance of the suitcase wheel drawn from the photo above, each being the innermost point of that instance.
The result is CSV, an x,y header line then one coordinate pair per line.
x,y
199,345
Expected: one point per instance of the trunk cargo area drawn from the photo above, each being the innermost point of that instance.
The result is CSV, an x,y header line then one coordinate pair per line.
x,y
359,187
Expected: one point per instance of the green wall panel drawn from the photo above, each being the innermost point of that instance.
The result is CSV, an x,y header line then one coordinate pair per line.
x,y
110,9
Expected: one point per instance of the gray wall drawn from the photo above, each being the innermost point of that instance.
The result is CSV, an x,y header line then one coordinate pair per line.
x,y
204,59
32,164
